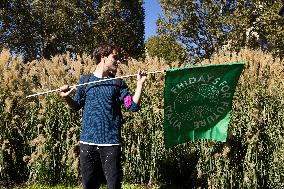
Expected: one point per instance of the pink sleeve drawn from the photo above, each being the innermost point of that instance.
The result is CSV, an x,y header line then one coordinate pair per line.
x,y
127,101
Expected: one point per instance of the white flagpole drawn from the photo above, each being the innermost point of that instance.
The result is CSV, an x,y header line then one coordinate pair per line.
x,y
120,77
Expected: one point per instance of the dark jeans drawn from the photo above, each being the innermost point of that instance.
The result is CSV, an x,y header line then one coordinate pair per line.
x,y
98,163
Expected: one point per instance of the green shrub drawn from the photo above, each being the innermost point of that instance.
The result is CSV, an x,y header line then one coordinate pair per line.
x,y
39,135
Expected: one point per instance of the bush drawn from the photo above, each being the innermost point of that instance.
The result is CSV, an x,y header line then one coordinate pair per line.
x,y
39,135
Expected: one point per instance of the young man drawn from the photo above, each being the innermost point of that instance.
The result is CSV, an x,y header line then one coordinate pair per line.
x,y
101,121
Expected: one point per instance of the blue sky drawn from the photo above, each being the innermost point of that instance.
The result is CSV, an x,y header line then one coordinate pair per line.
x,y
152,11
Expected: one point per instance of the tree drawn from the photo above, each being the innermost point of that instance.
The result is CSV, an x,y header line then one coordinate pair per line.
x,y
166,48
205,27
196,24
256,25
43,28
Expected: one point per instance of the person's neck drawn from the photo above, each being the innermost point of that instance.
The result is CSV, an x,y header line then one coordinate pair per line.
x,y
99,72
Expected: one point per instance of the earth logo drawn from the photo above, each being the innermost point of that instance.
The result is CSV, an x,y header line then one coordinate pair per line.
x,y
200,104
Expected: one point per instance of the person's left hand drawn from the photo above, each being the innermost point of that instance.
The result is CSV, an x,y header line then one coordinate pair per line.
x,y
141,76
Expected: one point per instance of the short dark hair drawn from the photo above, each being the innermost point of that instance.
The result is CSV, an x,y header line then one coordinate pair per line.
x,y
104,49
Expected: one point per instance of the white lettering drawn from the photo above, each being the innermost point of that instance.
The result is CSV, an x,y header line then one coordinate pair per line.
x,y
191,80
169,108
209,78
216,115
226,95
215,81
210,119
225,88
220,110
225,104
179,85
177,124
174,90
201,79
185,82
223,83
199,124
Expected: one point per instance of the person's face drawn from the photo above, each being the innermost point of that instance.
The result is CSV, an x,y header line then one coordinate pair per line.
x,y
112,61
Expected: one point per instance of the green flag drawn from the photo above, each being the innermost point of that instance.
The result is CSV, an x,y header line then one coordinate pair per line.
x,y
198,102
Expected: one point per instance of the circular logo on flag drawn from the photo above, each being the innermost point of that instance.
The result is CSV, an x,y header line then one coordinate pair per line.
x,y
198,104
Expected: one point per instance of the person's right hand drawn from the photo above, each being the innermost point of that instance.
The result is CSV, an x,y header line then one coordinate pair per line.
x,y
65,90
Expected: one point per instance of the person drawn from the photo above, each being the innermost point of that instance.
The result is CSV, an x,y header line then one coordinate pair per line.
x,y
100,140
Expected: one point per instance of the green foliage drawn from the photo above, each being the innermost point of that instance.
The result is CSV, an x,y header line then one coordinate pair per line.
x,y
39,135
47,187
208,27
44,28
166,48
256,25
124,186
197,24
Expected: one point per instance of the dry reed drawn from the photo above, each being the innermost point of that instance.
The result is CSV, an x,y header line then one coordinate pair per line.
x,y
39,136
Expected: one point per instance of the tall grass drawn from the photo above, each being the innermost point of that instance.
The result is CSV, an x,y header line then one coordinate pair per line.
x,y
39,135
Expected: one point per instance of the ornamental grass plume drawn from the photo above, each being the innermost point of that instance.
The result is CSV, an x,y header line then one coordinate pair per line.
x,y
4,59
39,136
257,119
